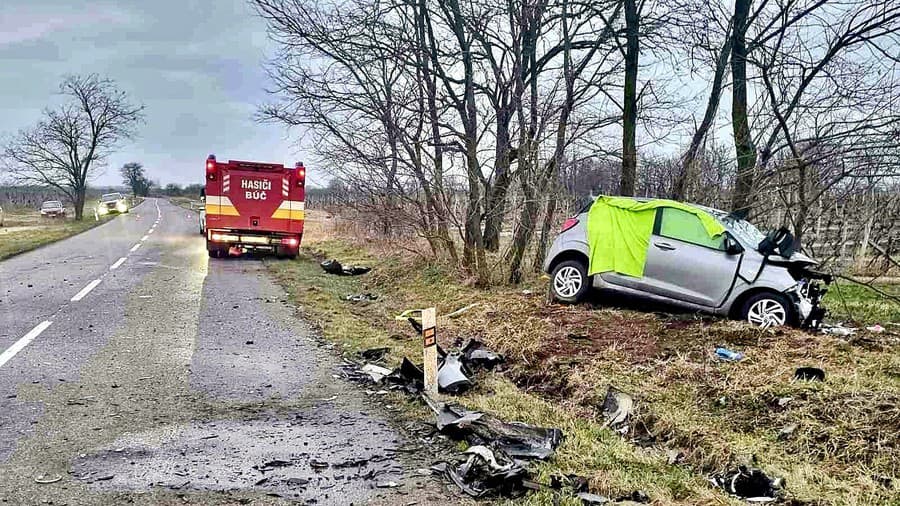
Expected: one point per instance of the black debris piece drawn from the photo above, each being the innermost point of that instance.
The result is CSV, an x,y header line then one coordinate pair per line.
x,y
617,408
408,377
638,496
588,499
809,374
750,484
415,325
453,375
374,354
487,472
518,440
571,481
474,354
334,267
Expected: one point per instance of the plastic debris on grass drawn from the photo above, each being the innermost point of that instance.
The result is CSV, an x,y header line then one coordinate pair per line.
x,y
334,267
498,455
752,485
361,297
617,408
729,355
809,374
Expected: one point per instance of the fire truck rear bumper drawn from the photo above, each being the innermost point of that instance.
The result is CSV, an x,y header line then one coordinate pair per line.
x,y
259,242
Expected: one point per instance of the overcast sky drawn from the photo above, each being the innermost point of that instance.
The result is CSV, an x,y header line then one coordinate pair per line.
x,y
195,64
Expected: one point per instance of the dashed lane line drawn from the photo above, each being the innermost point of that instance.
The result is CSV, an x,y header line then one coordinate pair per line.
x,y
117,264
135,247
21,343
86,290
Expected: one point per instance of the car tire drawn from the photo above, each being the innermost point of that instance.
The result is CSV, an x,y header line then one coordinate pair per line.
x,y
569,282
768,309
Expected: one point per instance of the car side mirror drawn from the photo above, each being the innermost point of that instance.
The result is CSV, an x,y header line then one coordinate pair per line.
x,y
732,247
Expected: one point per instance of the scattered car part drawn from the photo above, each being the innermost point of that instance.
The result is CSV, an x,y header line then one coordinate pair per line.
x,y
377,373
617,407
474,353
486,472
375,354
729,355
452,375
838,330
361,297
334,267
809,374
588,499
749,484
518,440
461,310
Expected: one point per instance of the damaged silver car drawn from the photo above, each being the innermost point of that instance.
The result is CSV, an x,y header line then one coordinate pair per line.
x,y
741,273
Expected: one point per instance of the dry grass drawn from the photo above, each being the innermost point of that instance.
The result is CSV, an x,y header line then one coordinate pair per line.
x,y
25,230
844,450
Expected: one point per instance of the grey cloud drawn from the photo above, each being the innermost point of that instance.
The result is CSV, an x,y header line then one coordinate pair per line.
x,y
195,65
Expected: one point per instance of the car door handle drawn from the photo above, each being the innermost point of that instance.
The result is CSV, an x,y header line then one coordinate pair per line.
x,y
664,246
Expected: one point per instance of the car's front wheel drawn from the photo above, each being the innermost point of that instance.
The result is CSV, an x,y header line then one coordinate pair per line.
x,y
768,309
569,281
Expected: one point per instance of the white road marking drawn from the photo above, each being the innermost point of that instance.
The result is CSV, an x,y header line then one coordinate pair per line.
x,y
21,343
145,237
150,231
135,247
86,290
117,264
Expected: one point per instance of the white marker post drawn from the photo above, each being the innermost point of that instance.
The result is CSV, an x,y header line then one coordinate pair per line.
x,y
429,346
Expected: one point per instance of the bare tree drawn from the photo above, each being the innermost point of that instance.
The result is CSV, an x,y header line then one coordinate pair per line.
x,y
65,148
134,177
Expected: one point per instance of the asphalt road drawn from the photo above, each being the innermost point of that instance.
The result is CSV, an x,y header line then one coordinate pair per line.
x,y
133,369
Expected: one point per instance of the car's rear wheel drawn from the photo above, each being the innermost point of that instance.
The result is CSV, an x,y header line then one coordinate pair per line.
x,y
768,309
569,281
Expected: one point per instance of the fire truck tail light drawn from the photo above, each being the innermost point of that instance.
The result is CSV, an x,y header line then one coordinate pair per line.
x,y
289,241
301,173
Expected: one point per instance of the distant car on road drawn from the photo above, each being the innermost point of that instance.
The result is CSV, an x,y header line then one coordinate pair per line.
x,y
741,273
112,203
53,209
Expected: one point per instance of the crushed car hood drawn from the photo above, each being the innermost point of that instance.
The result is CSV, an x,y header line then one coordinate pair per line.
x,y
795,259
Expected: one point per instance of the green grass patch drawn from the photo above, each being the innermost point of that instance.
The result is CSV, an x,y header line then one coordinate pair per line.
x,y
16,239
862,304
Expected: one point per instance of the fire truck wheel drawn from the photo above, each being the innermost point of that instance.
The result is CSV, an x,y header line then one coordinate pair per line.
x,y
216,253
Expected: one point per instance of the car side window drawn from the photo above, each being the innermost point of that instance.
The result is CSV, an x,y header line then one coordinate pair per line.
x,y
684,226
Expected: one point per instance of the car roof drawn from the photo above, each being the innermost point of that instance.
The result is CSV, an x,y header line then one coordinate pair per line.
x,y
718,213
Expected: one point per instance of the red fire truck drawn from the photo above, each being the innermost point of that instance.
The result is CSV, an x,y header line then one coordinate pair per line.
x,y
253,206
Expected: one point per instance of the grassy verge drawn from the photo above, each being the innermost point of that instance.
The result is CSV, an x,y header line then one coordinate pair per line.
x,y
26,231
712,415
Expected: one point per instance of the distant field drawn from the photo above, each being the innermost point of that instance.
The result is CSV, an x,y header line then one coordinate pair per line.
x,y
24,230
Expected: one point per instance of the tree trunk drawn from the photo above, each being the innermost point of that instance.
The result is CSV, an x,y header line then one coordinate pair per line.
x,y
79,202
629,116
496,198
743,141
541,250
688,167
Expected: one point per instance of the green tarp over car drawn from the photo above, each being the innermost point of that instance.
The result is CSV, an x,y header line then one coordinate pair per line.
x,y
619,228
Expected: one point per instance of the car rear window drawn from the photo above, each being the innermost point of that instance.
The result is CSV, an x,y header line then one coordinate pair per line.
x,y
684,226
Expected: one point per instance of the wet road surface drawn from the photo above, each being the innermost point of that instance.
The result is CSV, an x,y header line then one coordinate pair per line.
x,y
136,370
